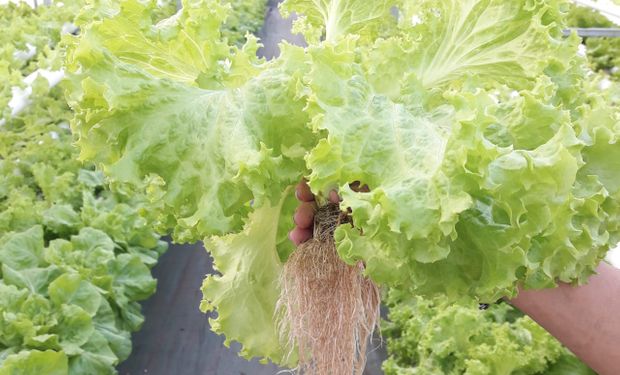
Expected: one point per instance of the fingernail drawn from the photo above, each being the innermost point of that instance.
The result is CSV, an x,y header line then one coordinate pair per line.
x,y
297,194
289,235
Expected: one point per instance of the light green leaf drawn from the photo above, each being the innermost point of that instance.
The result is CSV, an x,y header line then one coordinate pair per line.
x,y
92,179
22,250
97,358
504,41
43,342
71,289
106,324
35,280
132,278
35,362
74,328
244,294
180,48
93,241
602,156
130,313
94,247
61,219
466,193
336,19
437,336
202,153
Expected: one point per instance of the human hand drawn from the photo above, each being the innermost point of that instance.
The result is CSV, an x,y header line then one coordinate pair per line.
x,y
304,215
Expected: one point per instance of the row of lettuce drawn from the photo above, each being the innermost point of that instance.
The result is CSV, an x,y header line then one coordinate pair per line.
x,y
75,257
432,336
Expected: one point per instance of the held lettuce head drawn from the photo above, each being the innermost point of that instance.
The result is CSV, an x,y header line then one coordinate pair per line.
x,y
489,161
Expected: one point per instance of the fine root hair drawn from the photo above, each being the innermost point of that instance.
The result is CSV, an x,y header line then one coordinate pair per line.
x,y
328,309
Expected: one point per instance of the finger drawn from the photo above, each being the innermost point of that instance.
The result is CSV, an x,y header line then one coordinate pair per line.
x,y
303,192
304,216
299,235
333,197
358,187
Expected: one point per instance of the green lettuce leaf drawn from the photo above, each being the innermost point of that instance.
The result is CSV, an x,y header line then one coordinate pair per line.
x,y
22,250
510,42
119,339
35,362
61,229
62,219
36,280
437,336
335,19
97,357
245,291
228,145
71,289
75,328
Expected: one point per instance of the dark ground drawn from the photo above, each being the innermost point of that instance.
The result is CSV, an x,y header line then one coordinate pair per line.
x,y
175,338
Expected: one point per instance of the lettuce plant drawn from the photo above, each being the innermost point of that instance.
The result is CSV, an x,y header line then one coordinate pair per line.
x,y
246,16
603,53
74,258
436,336
489,161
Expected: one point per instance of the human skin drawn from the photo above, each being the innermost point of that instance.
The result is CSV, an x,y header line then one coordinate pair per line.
x,y
585,319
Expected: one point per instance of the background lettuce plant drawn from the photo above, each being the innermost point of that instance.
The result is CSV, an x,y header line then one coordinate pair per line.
x,y
438,336
75,258
603,53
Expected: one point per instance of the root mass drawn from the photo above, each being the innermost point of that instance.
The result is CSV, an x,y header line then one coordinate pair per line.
x,y
327,309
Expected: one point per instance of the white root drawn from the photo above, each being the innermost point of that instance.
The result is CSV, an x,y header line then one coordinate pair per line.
x,y
327,309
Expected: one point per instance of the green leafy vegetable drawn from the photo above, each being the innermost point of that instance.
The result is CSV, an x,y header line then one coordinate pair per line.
x,y
436,336
35,362
245,17
488,156
74,257
603,53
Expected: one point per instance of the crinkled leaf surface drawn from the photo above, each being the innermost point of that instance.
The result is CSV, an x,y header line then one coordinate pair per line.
x,y
437,336
471,121
204,149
